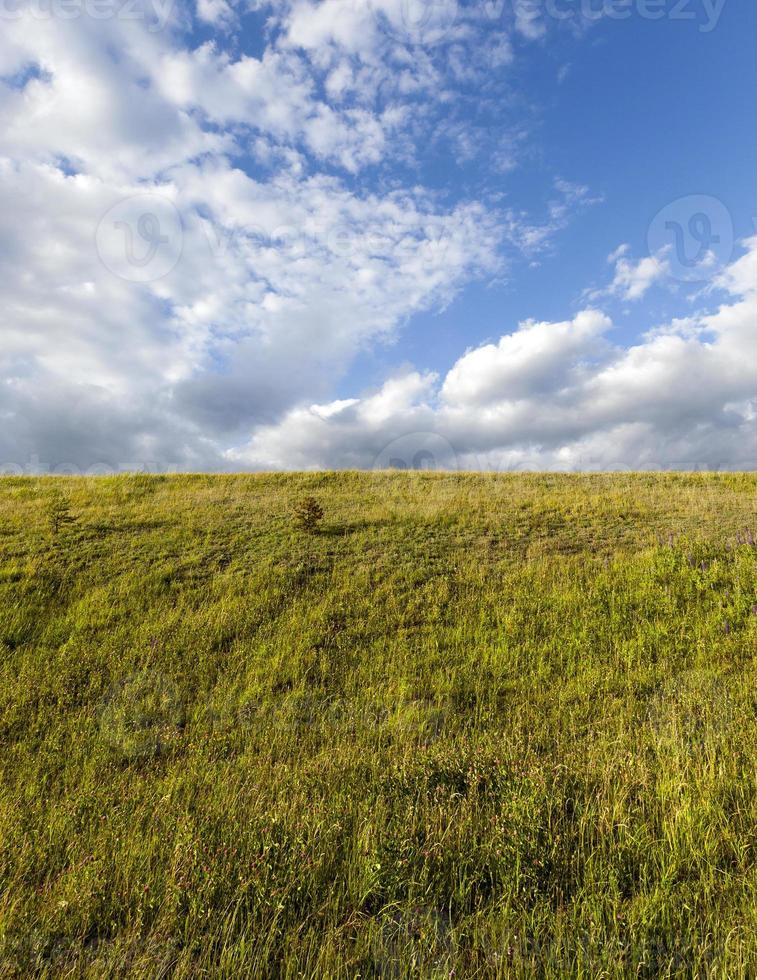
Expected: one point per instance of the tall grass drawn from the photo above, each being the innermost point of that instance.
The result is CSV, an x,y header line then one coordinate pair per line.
x,y
474,726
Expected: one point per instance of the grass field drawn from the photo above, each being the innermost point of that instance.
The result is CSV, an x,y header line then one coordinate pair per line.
x,y
474,726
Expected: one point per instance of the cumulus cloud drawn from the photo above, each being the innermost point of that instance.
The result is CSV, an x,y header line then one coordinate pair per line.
x,y
277,287
276,278
561,396
216,12
537,358
633,279
272,185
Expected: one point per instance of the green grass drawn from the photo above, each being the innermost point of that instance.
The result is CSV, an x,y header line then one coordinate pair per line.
x,y
475,726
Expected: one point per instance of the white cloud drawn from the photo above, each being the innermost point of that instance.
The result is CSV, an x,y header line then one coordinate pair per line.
x,y
279,279
91,102
532,237
633,279
537,357
313,26
287,267
277,288
558,396
529,20
741,276
216,12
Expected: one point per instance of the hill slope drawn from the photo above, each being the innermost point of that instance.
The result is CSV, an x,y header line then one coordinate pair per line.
x,y
495,725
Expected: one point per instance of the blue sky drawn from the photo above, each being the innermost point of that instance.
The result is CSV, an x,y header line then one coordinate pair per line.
x,y
648,112
245,235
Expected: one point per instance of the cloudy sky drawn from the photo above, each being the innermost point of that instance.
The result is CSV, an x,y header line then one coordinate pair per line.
x,y
490,234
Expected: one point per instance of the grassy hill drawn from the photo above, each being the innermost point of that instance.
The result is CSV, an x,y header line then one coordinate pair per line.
x,y
474,726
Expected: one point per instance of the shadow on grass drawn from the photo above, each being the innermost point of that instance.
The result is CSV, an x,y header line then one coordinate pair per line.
x,y
354,527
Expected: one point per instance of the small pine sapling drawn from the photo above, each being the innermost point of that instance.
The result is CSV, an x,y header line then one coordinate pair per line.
x,y
308,514
58,513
